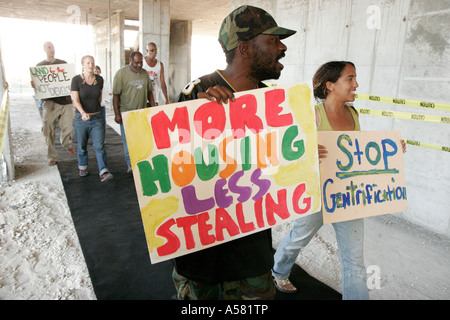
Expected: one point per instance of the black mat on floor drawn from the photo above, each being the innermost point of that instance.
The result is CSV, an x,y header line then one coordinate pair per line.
x,y
109,227
108,222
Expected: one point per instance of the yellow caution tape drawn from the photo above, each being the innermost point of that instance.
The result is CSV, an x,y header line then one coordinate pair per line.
x,y
410,116
427,145
4,117
405,115
404,102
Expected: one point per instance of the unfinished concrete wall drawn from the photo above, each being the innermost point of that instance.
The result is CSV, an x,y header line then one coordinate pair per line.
x,y
180,57
401,49
101,42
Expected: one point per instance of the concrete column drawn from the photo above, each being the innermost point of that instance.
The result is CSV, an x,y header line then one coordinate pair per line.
x,y
154,26
180,57
103,41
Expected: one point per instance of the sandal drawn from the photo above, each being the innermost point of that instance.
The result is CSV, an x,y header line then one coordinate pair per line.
x,y
106,176
284,285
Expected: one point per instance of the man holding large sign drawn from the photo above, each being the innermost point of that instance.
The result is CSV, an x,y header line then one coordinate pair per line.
x,y
51,80
211,190
250,39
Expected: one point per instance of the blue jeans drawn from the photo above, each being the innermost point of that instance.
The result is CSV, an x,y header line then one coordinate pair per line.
x,y
94,127
125,145
349,236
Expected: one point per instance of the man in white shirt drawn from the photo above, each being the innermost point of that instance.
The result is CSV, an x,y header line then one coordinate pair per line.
x,y
155,70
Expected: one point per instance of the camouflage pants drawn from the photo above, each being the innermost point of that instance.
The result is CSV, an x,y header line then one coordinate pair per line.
x,y
254,288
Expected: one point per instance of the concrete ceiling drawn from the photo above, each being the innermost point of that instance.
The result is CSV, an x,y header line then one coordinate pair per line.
x,y
207,15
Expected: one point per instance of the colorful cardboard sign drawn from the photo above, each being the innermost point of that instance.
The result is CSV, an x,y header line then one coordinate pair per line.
x,y
52,81
362,175
207,173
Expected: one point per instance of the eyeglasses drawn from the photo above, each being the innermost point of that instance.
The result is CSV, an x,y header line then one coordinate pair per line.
x,y
153,50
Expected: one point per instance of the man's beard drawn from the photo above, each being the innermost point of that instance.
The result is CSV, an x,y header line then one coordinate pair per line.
x,y
137,70
264,67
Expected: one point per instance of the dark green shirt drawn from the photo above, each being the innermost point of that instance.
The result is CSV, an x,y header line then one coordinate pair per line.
x,y
133,88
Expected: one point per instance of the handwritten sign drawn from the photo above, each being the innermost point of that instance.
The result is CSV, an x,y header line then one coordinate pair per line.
x,y
207,173
362,175
52,81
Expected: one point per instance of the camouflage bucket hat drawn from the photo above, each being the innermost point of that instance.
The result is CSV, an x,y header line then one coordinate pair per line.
x,y
247,22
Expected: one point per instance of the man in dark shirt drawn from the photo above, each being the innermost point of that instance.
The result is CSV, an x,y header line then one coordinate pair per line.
x,y
250,39
56,109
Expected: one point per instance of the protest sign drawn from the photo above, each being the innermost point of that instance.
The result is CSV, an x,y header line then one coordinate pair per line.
x,y
52,81
362,175
207,173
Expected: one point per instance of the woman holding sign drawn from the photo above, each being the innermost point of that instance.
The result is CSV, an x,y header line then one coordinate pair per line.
x,y
335,83
89,117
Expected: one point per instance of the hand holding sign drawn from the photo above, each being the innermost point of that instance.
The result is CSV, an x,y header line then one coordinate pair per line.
x,y
322,152
217,93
